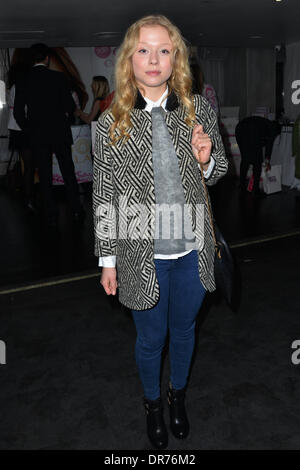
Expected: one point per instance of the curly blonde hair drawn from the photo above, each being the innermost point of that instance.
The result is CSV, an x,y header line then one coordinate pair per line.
x,y
126,87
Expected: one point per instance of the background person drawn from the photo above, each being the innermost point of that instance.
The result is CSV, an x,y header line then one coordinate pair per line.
x,y
43,105
18,138
253,134
100,88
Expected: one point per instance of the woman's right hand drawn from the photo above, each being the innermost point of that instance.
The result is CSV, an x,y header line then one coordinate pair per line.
x,y
109,280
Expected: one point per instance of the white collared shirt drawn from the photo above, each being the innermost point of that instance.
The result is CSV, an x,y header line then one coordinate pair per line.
x,y
110,261
162,101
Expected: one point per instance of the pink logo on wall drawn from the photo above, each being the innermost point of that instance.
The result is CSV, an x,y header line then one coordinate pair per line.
x,y
210,94
104,62
102,52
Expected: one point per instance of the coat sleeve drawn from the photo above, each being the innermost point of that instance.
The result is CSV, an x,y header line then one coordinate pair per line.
x,y
103,194
206,116
67,98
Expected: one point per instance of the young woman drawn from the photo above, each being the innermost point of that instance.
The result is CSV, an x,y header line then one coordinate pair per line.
x,y
152,230
100,88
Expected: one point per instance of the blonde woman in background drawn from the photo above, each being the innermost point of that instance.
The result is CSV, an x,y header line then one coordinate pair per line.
x,y
100,88
150,150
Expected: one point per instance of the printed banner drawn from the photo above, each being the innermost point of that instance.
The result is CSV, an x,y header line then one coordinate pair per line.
x,y
81,153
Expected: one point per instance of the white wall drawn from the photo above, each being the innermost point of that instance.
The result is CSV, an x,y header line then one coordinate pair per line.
x,y
92,61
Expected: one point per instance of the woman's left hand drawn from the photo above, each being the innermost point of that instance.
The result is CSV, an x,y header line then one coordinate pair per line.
x,y
201,145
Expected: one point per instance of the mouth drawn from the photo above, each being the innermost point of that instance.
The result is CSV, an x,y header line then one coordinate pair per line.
x,y
153,73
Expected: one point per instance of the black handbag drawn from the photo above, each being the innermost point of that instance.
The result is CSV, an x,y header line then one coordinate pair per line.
x,y
224,265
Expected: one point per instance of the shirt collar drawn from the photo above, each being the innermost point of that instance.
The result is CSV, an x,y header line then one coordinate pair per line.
x,y
172,102
162,101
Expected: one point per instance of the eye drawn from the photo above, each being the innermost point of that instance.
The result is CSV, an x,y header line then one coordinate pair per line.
x,y
165,51
142,51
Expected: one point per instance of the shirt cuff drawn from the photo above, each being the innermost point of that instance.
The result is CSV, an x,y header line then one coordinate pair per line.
x,y
107,261
210,168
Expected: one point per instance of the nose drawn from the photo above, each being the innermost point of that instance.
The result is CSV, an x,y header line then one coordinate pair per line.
x,y
153,57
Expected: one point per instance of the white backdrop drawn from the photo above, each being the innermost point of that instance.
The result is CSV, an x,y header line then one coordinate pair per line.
x,y
92,61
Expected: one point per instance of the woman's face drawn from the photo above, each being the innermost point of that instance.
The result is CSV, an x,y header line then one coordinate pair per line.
x,y
152,60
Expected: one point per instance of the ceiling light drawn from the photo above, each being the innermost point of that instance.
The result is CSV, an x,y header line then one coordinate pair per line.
x,y
108,33
21,32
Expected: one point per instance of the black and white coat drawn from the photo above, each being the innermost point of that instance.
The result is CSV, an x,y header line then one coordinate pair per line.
x,y
126,170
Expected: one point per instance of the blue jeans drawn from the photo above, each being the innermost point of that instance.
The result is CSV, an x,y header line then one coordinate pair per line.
x,y
181,296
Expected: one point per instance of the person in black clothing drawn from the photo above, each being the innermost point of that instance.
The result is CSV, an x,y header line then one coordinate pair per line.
x,y
18,139
43,103
252,134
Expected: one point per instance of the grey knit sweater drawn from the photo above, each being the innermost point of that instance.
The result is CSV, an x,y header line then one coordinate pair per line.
x,y
173,228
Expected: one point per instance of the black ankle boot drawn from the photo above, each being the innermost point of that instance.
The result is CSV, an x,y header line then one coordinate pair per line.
x,y
178,419
156,428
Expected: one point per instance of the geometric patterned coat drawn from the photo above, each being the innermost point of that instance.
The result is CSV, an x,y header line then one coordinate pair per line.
x,y
124,172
